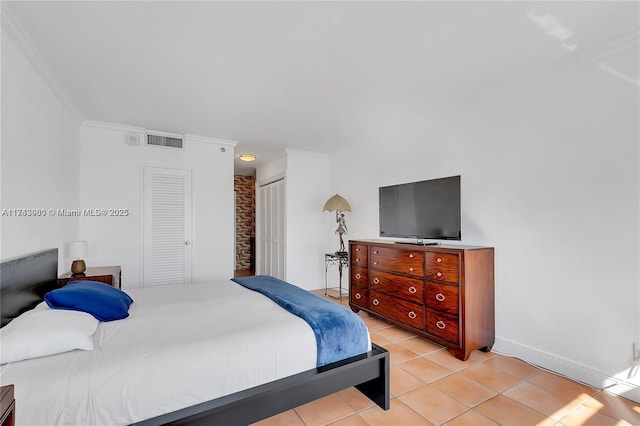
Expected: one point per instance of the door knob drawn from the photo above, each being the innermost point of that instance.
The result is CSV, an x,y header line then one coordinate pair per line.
x,y
186,243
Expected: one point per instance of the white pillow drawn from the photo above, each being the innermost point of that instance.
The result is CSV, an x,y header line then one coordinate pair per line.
x,y
44,331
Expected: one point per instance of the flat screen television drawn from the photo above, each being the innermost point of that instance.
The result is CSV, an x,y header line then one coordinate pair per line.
x,y
429,209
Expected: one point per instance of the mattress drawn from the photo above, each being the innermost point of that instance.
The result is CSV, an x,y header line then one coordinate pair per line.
x,y
180,345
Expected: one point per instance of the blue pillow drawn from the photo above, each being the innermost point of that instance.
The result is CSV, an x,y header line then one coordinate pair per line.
x,y
104,302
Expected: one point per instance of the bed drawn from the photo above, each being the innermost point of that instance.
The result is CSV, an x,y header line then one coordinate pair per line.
x,y
214,353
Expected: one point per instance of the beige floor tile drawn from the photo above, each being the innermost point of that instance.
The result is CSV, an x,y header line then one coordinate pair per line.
x,y
615,406
354,420
394,333
425,370
402,381
323,411
420,346
399,414
433,405
586,416
436,384
378,338
356,399
560,385
464,389
517,368
288,418
471,418
446,359
505,411
374,324
399,354
480,356
548,403
490,377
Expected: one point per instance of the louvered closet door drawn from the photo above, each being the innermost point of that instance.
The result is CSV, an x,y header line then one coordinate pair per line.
x,y
271,230
167,226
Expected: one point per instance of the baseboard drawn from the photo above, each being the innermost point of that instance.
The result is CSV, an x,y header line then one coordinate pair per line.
x,y
615,383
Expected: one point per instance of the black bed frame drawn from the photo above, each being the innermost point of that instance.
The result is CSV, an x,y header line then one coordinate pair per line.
x,y
25,280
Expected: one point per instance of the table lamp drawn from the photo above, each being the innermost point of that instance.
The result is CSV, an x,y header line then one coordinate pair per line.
x,y
339,205
78,250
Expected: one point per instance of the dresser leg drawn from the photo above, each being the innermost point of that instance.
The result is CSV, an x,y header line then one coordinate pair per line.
x,y
460,354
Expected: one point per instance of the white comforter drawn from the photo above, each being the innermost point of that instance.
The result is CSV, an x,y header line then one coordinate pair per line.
x,y
181,345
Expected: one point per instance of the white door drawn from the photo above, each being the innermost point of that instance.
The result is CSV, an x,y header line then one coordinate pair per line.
x,y
166,226
270,227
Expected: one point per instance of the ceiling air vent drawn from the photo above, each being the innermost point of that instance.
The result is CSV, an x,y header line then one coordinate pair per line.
x,y
164,140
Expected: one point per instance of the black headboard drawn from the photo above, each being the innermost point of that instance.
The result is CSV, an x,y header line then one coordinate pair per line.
x,y
25,280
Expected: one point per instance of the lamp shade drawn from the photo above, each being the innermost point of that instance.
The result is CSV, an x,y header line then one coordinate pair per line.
x,y
78,249
337,203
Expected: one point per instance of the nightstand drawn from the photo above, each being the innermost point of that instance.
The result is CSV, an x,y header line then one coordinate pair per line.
x,y
7,406
105,274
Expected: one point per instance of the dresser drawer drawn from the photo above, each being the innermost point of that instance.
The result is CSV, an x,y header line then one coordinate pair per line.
x,y
359,255
411,289
359,296
442,297
360,276
400,310
395,260
443,267
443,325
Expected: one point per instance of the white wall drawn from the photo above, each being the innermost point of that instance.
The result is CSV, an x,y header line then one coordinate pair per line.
x,y
550,178
111,177
39,160
308,229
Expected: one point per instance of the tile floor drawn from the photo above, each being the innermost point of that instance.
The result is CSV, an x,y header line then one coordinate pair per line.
x,y
431,387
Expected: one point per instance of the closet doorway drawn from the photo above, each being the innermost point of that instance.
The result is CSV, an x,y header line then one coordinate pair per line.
x,y
270,244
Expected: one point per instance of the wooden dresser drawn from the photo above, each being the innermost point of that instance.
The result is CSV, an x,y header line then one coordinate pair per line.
x,y
443,293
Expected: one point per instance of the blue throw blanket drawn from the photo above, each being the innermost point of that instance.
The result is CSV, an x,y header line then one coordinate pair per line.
x,y
339,332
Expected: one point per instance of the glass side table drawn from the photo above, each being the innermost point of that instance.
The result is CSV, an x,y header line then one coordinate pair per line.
x,y
342,261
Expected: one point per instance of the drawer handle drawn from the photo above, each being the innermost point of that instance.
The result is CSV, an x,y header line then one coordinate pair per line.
x,y
357,259
412,315
441,325
357,250
439,259
376,281
375,302
411,256
358,296
375,252
411,269
413,290
358,276
375,263
440,297
439,274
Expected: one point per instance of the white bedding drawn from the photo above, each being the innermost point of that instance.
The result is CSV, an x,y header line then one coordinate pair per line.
x,y
181,345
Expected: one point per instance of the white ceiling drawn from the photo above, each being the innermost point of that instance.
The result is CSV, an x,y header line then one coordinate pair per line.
x,y
311,76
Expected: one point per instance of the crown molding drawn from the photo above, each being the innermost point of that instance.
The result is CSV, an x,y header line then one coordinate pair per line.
x,y
20,37
197,138
113,126
304,153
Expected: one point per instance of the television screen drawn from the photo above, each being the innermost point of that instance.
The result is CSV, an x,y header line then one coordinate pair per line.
x,y
428,209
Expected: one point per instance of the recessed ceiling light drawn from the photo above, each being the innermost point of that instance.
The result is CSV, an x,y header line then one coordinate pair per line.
x,y
247,157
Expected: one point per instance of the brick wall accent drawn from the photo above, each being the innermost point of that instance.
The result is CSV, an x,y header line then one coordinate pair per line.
x,y
245,188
